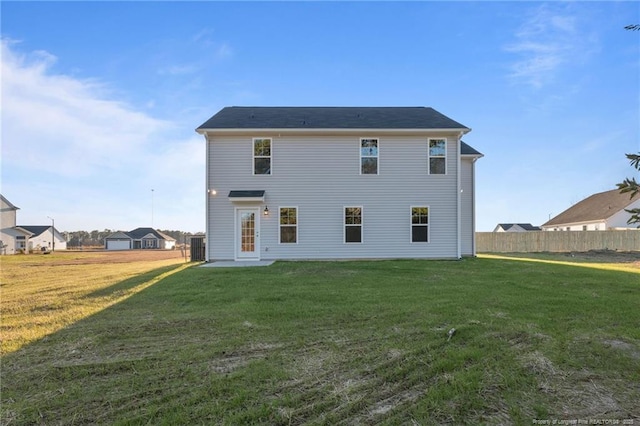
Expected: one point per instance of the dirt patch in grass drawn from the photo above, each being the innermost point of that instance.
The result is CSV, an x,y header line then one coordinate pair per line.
x,y
629,258
606,256
625,347
125,256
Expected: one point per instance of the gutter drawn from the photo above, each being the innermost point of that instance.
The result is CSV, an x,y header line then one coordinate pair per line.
x,y
231,131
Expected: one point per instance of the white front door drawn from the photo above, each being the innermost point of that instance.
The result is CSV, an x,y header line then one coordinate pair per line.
x,y
248,234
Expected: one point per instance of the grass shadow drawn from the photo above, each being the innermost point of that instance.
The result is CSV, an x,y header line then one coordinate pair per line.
x,y
130,283
38,312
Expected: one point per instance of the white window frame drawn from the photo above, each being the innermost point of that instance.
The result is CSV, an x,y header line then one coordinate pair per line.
x,y
411,225
377,156
21,242
280,225
344,224
149,243
429,156
254,156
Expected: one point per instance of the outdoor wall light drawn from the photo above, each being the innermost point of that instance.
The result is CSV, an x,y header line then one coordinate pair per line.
x,y
266,211
212,191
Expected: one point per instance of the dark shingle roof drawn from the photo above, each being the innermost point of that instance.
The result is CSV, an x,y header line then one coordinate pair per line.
x,y
596,207
36,229
468,150
139,233
330,118
525,226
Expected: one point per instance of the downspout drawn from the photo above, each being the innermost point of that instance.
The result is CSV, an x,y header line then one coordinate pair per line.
x,y
207,231
473,206
458,212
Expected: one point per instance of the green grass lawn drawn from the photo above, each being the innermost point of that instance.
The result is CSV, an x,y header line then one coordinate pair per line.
x,y
341,343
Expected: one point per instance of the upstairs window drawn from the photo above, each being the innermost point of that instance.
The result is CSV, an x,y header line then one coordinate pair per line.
x,y
419,224
262,156
288,225
353,224
369,156
437,156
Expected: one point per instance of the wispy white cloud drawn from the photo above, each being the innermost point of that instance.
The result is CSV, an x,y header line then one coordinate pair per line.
x,y
93,153
50,120
205,38
184,69
550,39
224,50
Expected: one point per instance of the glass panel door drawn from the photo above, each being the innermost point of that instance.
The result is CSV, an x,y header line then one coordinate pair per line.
x,y
247,233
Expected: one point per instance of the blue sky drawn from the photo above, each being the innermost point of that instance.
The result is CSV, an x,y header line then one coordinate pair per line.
x,y
100,100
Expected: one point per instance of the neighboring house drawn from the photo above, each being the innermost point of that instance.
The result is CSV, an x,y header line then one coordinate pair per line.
x,y
338,183
139,238
13,239
42,237
516,227
599,212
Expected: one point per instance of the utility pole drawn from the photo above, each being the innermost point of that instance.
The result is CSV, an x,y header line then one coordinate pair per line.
x,y
152,208
53,237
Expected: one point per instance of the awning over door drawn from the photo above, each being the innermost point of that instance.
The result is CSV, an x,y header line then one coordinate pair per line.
x,y
246,196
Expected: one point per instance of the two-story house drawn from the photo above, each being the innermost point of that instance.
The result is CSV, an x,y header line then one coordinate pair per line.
x,y
338,183
13,239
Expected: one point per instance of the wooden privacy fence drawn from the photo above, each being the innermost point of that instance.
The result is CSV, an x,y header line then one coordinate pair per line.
x,y
557,241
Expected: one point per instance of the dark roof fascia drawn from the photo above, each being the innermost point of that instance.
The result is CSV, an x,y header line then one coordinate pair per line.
x,y
267,132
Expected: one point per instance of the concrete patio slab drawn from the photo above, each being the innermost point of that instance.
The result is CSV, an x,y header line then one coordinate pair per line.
x,y
237,264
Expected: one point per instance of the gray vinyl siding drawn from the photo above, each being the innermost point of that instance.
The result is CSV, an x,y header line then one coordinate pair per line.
x,y
320,176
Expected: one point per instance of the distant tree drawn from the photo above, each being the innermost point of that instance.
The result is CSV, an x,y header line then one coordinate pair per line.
x,y
629,185
634,27
94,238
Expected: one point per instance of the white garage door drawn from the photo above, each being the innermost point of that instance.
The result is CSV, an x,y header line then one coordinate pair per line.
x,y
118,244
